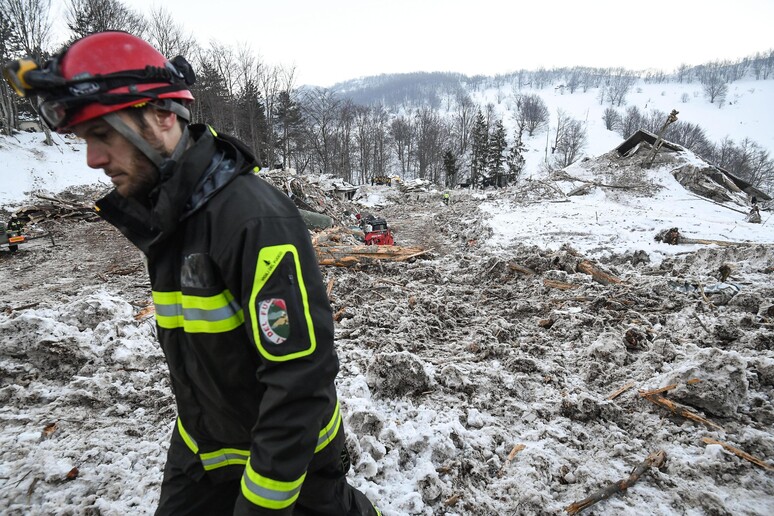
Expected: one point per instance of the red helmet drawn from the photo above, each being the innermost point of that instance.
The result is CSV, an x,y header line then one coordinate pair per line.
x,y
107,72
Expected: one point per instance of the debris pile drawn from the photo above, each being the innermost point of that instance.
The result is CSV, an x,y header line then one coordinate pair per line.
x,y
526,381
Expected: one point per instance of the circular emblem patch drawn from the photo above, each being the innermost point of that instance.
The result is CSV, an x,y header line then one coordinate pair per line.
x,y
273,320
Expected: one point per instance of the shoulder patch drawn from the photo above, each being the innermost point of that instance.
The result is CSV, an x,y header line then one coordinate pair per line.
x,y
273,320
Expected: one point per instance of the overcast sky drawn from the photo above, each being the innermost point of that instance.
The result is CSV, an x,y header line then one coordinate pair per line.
x,y
334,40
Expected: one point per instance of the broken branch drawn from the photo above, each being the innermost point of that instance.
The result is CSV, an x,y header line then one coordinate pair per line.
x,y
681,411
599,276
621,390
654,460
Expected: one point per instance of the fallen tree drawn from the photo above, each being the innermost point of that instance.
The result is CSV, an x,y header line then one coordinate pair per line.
x,y
348,255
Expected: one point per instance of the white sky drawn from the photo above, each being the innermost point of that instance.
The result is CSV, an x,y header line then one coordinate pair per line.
x,y
335,40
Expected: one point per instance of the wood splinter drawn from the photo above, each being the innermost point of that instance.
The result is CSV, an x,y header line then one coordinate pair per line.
x,y
739,453
516,449
680,410
621,390
654,460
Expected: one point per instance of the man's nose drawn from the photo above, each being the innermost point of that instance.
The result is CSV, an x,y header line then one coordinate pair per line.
x,y
96,156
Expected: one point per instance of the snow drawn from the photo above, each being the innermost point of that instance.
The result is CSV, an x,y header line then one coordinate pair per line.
x,y
27,165
444,366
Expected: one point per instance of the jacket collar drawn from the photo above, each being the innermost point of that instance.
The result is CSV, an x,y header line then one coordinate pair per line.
x,y
146,226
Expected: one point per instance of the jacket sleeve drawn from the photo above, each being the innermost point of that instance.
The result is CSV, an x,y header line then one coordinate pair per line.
x,y
271,264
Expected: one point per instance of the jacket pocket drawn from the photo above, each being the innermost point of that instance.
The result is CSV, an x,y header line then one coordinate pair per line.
x,y
280,317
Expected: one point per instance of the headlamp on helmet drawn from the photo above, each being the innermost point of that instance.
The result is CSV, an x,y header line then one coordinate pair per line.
x,y
100,74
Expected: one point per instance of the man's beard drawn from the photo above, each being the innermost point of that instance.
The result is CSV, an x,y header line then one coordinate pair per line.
x,y
146,177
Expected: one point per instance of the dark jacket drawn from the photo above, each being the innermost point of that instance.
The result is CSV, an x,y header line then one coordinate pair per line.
x,y
243,319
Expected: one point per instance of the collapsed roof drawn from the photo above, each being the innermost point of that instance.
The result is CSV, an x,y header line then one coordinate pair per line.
x,y
693,172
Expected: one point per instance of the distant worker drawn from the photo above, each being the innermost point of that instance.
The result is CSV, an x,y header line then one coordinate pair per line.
x,y
755,215
446,198
14,225
241,310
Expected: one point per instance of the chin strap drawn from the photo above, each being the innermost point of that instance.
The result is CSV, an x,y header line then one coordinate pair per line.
x,y
138,141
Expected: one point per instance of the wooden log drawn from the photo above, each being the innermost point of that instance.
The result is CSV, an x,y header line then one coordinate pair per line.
x,y
559,284
681,411
739,453
521,269
654,460
346,255
599,275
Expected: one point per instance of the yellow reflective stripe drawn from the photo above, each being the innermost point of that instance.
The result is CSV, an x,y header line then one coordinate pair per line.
x,y
328,433
212,131
169,309
268,493
189,441
269,259
224,457
198,314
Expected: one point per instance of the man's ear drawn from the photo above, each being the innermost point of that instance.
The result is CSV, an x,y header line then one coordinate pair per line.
x,y
164,120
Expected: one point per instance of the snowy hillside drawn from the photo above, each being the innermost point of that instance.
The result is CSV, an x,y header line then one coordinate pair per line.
x,y
746,114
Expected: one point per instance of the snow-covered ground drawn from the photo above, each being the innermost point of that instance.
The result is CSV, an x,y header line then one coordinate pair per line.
x,y
447,363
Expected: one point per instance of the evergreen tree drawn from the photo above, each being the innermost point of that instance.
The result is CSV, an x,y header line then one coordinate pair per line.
x,y
252,127
451,168
479,150
496,156
515,160
287,123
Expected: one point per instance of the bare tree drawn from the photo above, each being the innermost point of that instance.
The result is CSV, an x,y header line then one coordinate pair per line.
x,y
10,48
403,134
168,36
32,23
612,118
463,121
631,122
30,20
430,143
573,141
320,108
270,81
620,82
87,16
531,113
713,83
562,122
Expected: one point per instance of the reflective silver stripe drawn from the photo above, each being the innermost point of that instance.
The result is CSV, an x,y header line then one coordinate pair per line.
x,y
222,458
218,314
331,429
169,310
266,493
199,314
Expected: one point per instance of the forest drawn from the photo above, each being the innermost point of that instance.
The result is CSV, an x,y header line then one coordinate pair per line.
x,y
416,125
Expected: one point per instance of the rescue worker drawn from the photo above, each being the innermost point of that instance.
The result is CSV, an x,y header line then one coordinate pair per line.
x,y
446,198
241,310
15,225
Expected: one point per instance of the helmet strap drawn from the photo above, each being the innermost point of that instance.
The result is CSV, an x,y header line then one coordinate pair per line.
x,y
142,144
135,139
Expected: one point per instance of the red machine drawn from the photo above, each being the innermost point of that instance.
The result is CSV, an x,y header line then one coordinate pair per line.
x,y
377,232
